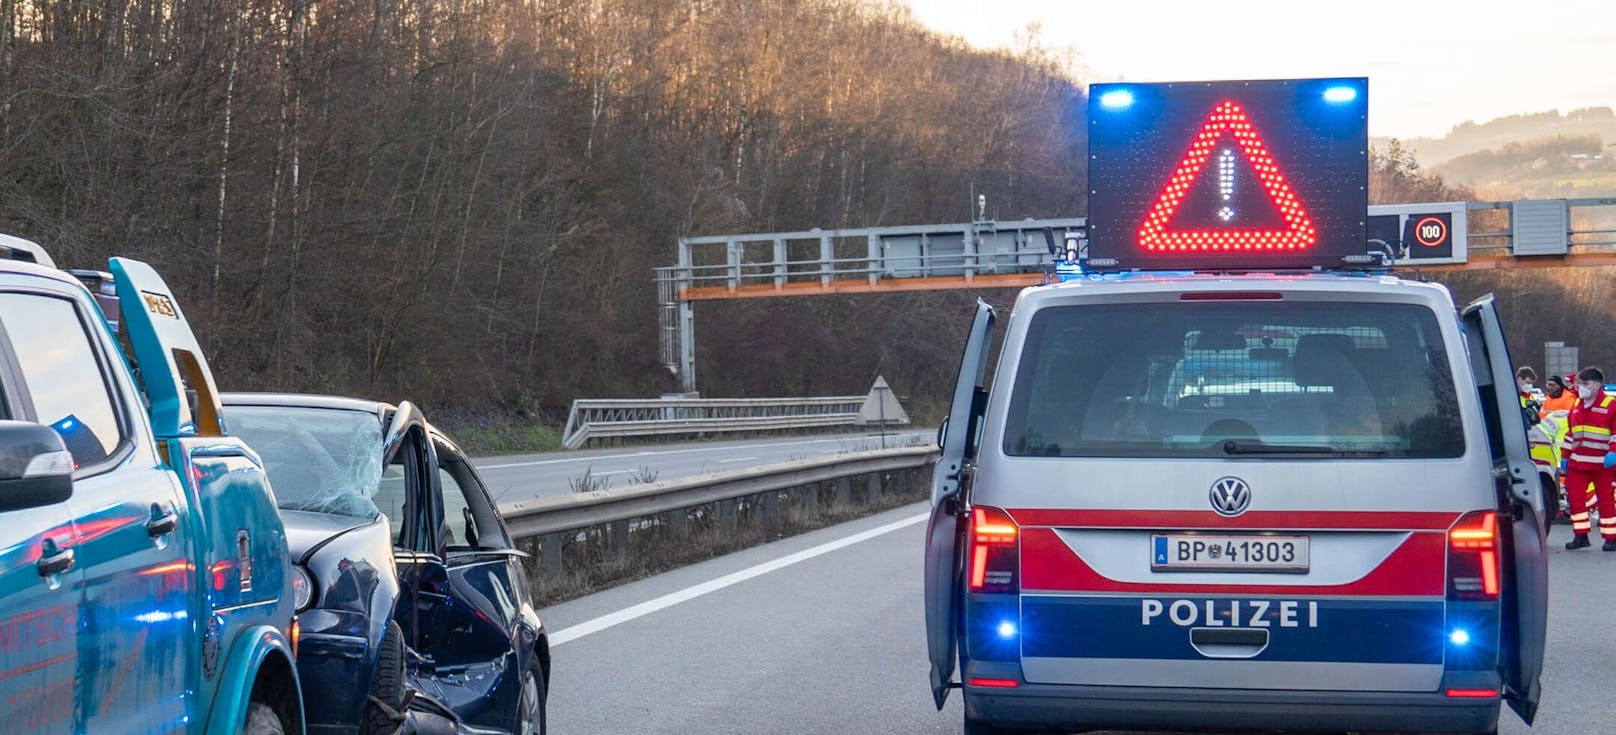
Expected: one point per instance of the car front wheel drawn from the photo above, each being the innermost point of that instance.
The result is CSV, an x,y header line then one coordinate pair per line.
x,y
384,708
530,706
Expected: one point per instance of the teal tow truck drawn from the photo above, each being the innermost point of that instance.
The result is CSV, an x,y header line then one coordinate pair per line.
x,y
145,584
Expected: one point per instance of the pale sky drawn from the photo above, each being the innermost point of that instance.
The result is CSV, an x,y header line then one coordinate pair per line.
x,y
1430,65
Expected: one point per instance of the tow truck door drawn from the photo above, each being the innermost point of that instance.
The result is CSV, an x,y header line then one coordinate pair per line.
x,y
1526,590
948,479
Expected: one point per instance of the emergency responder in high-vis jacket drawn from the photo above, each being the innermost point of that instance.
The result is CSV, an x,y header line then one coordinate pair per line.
x,y
1556,396
1525,382
1589,459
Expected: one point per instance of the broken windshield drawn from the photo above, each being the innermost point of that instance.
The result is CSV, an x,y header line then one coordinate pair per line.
x,y
322,460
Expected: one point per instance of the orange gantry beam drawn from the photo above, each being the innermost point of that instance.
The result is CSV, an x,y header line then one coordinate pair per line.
x,y
862,285
1501,262
1021,280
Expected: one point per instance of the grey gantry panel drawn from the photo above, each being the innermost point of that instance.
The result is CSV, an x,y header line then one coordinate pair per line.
x,y
1540,227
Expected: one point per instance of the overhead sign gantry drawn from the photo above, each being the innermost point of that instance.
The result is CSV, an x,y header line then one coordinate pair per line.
x,y
1202,175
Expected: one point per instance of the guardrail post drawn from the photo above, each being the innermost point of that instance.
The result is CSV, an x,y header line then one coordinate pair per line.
x,y
873,483
678,522
550,553
727,510
619,538
810,500
769,508
844,492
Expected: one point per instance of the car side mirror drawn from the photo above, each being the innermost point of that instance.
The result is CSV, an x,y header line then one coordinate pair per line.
x,y
35,466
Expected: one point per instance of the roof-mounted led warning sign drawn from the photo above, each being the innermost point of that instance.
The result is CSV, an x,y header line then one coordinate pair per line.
x,y
1228,175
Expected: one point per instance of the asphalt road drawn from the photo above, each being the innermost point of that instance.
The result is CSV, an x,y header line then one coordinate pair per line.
x,y
514,478
830,640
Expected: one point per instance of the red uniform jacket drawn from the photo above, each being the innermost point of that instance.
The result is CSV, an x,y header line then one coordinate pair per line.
x,y
1587,438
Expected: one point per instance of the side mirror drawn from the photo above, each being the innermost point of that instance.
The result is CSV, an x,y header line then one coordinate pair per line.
x,y
35,466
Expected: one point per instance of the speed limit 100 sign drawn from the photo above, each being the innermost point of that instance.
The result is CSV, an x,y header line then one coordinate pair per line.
x,y
1428,235
1431,230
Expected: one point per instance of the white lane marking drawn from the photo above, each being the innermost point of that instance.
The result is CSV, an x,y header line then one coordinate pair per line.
x,y
690,593
670,451
736,459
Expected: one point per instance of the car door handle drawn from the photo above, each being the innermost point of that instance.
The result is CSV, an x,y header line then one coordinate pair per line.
x,y
56,563
219,450
163,524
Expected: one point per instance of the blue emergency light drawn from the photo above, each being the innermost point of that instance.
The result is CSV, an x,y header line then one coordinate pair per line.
x,y
78,437
1340,95
1116,99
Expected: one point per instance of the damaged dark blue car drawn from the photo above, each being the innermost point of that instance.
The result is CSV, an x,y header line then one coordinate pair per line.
x,y
414,604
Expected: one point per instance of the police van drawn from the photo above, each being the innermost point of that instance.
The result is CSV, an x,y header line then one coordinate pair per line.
x,y
1210,483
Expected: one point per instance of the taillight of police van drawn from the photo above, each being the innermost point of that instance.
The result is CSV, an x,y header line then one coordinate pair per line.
x,y
993,552
1473,557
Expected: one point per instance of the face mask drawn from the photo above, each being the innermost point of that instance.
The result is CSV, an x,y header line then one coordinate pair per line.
x,y
1586,392
1526,386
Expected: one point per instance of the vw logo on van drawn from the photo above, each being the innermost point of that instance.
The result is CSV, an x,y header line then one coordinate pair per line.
x,y
1230,496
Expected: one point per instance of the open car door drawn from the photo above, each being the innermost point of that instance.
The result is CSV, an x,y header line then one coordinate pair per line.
x,y
1526,588
948,478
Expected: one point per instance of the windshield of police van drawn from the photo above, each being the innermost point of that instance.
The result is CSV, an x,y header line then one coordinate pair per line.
x,y
322,460
1234,378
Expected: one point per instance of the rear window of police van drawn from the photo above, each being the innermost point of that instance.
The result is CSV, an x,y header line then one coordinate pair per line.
x,y
1281,378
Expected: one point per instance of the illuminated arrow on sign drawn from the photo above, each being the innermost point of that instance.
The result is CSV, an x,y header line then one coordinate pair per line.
x,y
1227,119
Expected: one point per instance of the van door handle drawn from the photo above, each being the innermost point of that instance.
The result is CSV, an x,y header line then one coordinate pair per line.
x,y
56,563
1229,642
162,523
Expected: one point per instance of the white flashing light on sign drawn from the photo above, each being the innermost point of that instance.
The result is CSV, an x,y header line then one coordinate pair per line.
x,y
1116,99
1340,95
1226,183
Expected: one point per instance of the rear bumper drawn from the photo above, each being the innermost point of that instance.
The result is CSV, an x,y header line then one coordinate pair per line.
x,y
1103,708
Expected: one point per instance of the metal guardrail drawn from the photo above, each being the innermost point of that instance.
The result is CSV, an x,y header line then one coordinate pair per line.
x,y
580,510
601,419
551,519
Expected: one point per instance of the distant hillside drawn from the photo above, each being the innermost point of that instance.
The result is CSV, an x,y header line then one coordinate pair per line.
x,y
1544,154
1471,137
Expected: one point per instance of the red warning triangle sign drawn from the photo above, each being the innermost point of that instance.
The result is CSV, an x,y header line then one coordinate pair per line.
x,y
1227,119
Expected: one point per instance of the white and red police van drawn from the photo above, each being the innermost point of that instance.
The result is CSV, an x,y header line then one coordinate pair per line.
x,y
1270,489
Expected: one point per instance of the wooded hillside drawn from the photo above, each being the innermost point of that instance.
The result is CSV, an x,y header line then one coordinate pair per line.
x,y
460,201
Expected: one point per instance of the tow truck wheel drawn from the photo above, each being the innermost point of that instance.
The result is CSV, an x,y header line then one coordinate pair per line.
x,y
262,720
